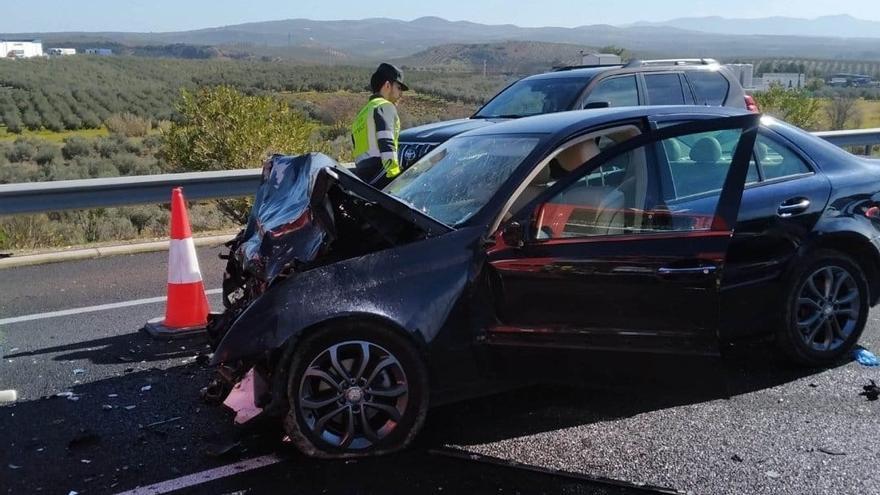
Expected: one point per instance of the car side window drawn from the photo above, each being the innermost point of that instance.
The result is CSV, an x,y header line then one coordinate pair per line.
x,y
710,88
617,91
777,160
664,89
625,195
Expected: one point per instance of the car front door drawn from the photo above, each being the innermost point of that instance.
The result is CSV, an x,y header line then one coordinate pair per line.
x,y
607,258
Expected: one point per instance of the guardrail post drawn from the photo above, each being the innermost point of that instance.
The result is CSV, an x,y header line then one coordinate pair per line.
x,y
869,148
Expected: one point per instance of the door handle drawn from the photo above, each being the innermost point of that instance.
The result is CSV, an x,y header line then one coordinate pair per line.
x,y
697,270
793,207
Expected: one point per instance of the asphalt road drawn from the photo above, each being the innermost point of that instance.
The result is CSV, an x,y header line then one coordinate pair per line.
x,y
129,415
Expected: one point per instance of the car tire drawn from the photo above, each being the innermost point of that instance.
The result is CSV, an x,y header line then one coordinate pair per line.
x,y
825,309
377,408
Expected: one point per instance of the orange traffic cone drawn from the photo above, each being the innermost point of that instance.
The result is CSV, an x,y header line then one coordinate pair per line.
x,y
186,311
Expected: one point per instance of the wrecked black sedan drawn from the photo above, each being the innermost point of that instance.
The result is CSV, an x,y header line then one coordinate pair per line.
x,y
649,229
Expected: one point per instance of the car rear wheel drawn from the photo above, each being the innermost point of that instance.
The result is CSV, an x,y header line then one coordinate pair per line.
x,y
825,309
355,389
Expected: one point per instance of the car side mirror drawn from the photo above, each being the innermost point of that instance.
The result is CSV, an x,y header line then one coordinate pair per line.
x,y
513,234
597,104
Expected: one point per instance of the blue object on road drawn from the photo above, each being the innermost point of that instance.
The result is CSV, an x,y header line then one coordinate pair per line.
x,y
865,357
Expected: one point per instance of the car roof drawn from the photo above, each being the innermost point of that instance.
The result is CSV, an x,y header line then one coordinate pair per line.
x,y
552,123
580,73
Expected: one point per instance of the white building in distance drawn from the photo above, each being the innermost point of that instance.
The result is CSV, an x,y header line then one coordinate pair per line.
x,y
21,48
62,51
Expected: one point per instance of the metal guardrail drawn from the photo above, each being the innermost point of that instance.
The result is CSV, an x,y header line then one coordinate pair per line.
x,y
38,197
859,137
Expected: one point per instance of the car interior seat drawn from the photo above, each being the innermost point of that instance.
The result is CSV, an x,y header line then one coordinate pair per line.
x,y
707,172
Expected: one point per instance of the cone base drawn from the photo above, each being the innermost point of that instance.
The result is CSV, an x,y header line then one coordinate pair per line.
x,y
156,328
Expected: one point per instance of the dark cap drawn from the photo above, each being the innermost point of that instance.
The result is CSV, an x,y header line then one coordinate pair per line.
x,y
387,72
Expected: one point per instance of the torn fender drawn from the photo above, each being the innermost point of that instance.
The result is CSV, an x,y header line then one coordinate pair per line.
x,y
414,286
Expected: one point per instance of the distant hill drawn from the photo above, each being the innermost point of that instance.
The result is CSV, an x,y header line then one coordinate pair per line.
x,y
836,26
368,40
508,57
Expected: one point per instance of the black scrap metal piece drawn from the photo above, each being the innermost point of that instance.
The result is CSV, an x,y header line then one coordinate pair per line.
x,y
872,391
469,456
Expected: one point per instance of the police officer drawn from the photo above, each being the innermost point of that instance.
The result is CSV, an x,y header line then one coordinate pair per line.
x,y
376,127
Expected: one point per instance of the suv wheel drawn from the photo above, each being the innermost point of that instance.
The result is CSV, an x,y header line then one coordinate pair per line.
x,y
826,308
355,389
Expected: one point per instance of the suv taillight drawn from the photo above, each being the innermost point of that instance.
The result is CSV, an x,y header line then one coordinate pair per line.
x,y
751,105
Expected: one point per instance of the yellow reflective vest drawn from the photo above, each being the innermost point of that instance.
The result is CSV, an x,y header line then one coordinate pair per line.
x,y
374,135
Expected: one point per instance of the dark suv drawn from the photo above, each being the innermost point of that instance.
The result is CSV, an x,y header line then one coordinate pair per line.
x,y
639,82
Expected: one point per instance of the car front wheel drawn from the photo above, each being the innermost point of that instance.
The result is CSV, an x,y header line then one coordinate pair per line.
x,y
825,309
355,389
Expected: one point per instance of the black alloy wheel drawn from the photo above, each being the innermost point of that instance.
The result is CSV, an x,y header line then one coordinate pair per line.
x,y
827,307
355,390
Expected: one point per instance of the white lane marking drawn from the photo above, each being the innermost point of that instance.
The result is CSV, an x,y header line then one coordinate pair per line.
x,y
91,309
205,476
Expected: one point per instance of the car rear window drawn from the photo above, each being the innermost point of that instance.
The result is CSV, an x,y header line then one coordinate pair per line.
x,y
617,91
664,89
710,88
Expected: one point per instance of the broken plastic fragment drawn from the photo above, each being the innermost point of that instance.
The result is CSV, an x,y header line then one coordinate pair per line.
x,y
865,357
242,397
146,388
8,396
112,396
13,466
85,461
106,407
129,408
79,371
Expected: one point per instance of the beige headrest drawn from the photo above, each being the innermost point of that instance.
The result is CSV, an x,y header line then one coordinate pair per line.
x,y
575,156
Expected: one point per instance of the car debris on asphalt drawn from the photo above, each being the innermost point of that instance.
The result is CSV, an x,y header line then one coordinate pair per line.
x,y
8,396
872,391
865,357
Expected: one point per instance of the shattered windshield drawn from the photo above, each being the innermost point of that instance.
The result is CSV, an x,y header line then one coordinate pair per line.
x,y
533,97
458,178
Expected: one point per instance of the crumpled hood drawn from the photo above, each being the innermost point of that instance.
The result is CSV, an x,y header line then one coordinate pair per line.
x,y
441,131
305,203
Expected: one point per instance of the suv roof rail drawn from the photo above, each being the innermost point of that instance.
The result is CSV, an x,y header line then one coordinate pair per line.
x,y
574,67
672,61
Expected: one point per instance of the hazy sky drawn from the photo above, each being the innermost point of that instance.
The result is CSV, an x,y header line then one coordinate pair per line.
x,y
167,15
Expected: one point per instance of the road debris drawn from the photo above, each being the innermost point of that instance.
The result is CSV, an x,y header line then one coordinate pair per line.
x,y
79,371
865,357
8,396
736,458
146,388
772,474
14,467
106,407
830,451
129,408
68,395
872,391
170,420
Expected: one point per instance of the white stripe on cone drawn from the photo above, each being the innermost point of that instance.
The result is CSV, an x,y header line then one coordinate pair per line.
x,y
183,265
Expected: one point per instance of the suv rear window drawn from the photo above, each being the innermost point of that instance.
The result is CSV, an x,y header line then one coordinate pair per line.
x,y
664,89
710,88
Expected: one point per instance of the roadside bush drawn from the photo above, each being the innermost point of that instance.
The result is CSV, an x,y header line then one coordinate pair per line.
x,y
75,146
128,125
108,146
794,106
221,128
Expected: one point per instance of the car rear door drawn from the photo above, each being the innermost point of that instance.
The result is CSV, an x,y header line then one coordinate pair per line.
x,y
607,262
